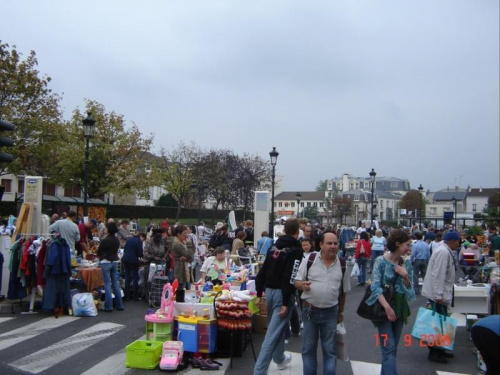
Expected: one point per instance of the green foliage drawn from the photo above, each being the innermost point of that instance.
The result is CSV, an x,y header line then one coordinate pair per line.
x,y
322,185
473,231
310,212
167,200
116,159
27,102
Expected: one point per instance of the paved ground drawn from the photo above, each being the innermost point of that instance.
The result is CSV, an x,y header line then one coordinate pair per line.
x,y
39,343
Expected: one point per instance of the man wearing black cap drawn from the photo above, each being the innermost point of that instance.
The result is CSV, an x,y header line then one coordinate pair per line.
x,y
438,284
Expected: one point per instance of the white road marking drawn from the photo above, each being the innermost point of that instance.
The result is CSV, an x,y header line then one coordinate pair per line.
x,y
31,330
450,373
56,353
2,320
365,368
114,365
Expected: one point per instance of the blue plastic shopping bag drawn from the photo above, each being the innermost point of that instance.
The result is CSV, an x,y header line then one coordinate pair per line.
x,y
434,329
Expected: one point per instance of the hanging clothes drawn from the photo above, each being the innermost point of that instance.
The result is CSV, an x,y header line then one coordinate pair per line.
x,y
17,289
57,273
40,263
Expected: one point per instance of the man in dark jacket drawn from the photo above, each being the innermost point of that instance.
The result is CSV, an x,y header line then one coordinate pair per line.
x,y
132,253
276,278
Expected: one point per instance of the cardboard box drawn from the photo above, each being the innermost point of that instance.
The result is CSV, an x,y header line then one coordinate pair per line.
x,y
260,323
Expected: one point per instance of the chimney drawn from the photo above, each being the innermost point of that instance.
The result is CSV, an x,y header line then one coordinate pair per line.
x,y
470,189
480,189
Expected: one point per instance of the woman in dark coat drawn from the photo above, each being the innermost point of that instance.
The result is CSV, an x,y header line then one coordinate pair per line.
x,y
183,256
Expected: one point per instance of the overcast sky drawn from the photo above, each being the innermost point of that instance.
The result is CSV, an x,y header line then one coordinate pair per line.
x,y
409,88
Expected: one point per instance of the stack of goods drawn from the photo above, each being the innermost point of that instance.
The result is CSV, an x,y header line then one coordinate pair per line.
x,y
233,315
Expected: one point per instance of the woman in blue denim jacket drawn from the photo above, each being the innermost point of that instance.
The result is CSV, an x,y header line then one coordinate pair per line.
x,y
392,268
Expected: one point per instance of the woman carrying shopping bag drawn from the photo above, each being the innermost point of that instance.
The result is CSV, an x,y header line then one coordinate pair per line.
x,y
392,268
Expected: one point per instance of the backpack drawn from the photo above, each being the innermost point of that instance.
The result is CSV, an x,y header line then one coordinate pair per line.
x,y
310,261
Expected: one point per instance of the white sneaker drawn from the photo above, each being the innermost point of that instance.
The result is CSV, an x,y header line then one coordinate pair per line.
x,y
286,361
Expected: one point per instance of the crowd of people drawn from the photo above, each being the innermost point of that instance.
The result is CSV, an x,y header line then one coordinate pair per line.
x,y
306,262
304,269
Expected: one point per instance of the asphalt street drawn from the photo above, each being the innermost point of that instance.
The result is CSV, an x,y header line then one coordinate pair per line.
x,y
39,343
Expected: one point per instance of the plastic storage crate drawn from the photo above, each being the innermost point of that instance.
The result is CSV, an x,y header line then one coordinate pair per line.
x,y
207,336
143,354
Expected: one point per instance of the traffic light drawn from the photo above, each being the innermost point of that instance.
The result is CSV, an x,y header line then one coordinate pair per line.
x,y
6,142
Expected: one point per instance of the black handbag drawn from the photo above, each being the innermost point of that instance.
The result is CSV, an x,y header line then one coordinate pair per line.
x,y
376,313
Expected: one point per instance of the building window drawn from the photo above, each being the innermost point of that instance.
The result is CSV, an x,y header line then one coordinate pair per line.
x,y
321,204
275,204
75,191
474,207
302,204
308,204
394,184
433,211
356,198
48,188
292,204
280,204
381,204
286,204
7,184
315,204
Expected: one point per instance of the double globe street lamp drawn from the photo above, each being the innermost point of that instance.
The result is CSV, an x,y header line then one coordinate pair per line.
x,y
372,181
298,196
420,190
274,158
88,127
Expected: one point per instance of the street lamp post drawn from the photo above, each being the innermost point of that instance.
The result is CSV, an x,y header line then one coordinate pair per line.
x,y
274,158
454,200
88,124
298,196
372,180
420,189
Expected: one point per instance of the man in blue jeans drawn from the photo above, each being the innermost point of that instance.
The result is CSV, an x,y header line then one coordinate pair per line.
x,y
276,277
324,285
420,254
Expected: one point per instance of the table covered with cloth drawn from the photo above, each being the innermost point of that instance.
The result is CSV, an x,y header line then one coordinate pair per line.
x,y
91,277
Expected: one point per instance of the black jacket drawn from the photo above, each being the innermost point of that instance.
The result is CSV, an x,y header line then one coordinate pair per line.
x,y
280,267
108,248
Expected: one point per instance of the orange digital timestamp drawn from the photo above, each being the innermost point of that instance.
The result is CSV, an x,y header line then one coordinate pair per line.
x,y
425,340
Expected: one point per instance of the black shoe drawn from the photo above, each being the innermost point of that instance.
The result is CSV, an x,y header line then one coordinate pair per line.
x,y
435,357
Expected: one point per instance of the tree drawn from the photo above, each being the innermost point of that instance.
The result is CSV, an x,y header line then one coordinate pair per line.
x,y
411,201
177,171
342,206
493,209
251,174
216,169
27,102
116,159
322,185
310,212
